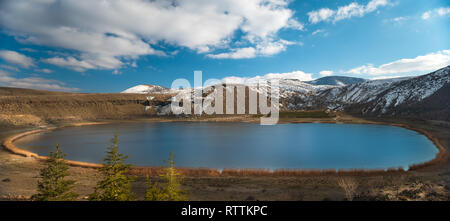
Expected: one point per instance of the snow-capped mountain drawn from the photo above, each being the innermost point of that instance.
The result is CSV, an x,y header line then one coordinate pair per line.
x,y
146,89
287,87
367,97
376,97
290,87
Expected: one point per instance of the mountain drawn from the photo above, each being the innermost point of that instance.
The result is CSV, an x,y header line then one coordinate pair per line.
x,y
286,85
146,89
336,81
426,96
393,97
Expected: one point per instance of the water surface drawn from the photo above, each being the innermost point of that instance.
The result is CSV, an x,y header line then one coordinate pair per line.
x,y
243,145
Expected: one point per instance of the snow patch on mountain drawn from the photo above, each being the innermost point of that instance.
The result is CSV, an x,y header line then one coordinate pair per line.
x,y
146,89
381,95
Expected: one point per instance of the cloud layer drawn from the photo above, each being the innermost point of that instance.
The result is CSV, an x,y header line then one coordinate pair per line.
x,y
7,80
107,33
299,75
261,49
436,12
326,73
17,58
428,62
353,9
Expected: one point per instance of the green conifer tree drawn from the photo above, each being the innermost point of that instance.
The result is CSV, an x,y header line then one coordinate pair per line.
x,y
172,190
52,185
116,185
153,192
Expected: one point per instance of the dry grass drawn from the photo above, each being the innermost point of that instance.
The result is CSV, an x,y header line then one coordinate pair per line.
x,y
349,185
193,172
50,108
212,172
305,114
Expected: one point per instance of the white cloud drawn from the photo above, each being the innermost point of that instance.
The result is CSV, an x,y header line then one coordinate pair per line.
x,y
299,75
236,54
351,10
105,32
428,62
7,80
443,11
426,15
320,31
344,12
323,14
266,48
397,20
294,24
44,70
16,58
375,4
271,47
317,31
385,77
71,63
28,50
326,73
9,67
436,12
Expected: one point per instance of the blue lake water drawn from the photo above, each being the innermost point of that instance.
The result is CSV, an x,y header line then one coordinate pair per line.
x,y
243,145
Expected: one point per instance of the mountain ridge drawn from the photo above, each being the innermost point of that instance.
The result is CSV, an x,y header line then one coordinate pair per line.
x,y
336,80
383,97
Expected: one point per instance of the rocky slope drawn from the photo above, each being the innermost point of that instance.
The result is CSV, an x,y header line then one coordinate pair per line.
x,y
385,97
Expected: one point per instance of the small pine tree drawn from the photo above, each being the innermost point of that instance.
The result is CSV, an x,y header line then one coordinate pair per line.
x,y
172,190
153,192
116,185
52,185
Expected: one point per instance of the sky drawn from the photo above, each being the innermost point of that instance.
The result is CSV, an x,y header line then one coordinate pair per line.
x,y
111,45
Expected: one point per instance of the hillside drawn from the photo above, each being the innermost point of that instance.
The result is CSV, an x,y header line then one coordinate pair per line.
x,y
10,91
412,97
422,96
32,107
336,81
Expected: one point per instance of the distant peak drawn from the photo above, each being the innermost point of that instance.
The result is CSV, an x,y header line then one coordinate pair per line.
x,y
145,89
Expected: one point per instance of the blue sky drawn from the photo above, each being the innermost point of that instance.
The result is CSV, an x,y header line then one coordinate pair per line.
x,y
97,46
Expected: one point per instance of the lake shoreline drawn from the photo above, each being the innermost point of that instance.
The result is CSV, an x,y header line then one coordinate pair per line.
x,y
440,157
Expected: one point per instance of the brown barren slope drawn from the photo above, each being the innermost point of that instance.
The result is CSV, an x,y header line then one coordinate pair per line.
x,y
20,107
